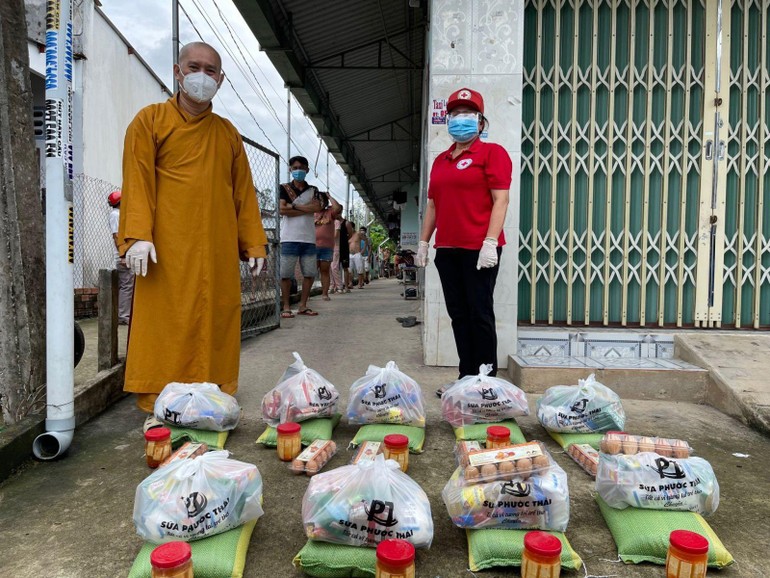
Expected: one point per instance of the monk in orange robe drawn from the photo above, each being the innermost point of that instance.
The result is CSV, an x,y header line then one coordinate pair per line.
x,y
189,212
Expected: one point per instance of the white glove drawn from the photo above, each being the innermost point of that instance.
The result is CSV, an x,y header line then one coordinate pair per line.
x,y
256,265
421,259
138,256
488,254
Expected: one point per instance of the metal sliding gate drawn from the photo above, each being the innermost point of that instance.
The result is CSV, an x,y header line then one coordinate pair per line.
x,y
644,163
261,298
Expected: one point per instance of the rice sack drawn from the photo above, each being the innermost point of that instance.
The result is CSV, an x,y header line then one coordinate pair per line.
x,y
540,501
302,393
588,407
482,399
650,481
197,406
386,395
366,503
192,499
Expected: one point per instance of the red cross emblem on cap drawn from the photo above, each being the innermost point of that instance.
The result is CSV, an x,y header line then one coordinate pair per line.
x,y
464,94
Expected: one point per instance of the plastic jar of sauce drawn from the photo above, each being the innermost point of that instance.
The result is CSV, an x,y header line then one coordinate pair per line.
x,y
498,436
395,559
289,444
687,556
157,445
397,448
172,560
541,557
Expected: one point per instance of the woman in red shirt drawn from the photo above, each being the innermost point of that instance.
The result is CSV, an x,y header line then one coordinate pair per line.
x,y
467,202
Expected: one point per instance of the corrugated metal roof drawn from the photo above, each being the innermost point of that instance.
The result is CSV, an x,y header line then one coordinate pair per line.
x,y
356,68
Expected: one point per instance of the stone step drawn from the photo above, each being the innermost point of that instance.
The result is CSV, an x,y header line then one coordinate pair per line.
x,y
632,378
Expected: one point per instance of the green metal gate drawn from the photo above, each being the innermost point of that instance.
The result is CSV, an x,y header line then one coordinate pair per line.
x,y
623,188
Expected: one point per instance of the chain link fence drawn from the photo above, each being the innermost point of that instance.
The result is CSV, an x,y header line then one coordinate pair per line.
x,y
260,298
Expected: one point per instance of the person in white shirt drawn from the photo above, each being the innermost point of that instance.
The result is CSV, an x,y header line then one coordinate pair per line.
x,y
125,275
299,201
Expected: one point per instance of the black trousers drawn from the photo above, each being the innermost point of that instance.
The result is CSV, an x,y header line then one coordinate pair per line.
x,y
468,293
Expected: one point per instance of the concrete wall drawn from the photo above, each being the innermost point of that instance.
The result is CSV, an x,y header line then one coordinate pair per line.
x,y
478,44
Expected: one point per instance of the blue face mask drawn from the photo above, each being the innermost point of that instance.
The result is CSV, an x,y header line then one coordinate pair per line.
x,y
298,175
463,129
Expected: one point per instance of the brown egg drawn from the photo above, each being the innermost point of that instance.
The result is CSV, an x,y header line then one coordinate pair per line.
x,y
646,445
488,471
332,447
298,467
630,446
540,462
471,473
507,470
603,445
524,467
680,449
312,467
613,446
663,448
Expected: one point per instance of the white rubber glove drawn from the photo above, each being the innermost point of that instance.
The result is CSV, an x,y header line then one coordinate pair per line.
x,y
421,258
138,256
488,254
256,265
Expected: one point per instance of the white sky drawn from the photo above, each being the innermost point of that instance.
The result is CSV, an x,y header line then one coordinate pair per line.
x,y
147,26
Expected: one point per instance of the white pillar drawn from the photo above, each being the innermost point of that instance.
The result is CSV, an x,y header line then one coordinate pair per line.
x,y
477,44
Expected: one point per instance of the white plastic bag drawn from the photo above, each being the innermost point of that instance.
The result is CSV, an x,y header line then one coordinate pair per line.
x,y
651,481
386,395
197,406
540,501
302,393
482,399
192,499
365,503
588,407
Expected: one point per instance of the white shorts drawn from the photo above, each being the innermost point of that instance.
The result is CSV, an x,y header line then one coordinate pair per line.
x,y
357,264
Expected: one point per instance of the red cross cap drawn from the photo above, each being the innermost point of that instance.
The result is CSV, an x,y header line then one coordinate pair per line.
x,y
466,97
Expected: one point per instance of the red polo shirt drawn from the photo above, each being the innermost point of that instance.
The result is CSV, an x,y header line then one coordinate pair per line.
x,y
460,191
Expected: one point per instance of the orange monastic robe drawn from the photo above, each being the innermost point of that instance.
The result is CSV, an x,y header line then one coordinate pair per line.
x,y
187,188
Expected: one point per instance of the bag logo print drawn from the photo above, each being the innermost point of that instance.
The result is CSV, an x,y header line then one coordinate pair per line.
x,y
488,393
579,406
324,393
464,164
195,503
662,466
379,391
517,489
172,416
376,511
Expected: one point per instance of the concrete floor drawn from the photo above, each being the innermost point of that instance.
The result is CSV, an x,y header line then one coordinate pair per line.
x,y
73,518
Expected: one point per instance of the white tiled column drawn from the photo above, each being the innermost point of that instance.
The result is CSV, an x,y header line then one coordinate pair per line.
x,y
478,44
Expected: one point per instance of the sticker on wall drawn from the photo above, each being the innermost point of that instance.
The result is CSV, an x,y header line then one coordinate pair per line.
x,y
408,239
438,111
52,14
68,53
53,128
51,59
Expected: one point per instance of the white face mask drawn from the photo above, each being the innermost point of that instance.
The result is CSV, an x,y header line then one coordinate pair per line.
x,y
199,86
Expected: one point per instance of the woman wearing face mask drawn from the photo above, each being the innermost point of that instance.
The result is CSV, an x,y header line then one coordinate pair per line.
x,y
467,202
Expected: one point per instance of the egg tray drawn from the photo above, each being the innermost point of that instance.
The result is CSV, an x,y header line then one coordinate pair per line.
x,y
585,456
313,458
514,461
622,443
464,448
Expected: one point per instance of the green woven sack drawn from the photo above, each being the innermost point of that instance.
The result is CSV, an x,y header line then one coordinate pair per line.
x,y
642,535
376,432
565,440
320,428
215,440
493,548
220,556
326,560
478,432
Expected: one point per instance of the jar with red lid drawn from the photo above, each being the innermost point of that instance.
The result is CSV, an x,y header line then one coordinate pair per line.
x,y
289,444
688,555
498,436
397,448
542,556
172,560
157,445
395,559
